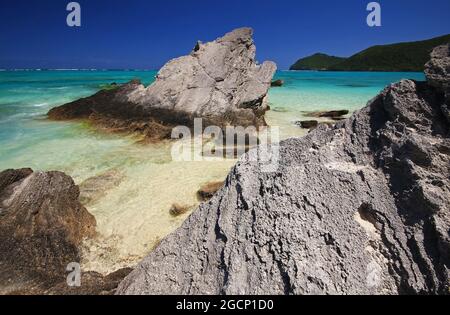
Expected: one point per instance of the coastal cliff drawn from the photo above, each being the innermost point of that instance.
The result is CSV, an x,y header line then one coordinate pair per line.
x,y
362,207
316,62
218,81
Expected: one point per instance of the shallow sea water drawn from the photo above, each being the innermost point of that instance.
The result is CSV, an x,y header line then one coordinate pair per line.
x,y
133,213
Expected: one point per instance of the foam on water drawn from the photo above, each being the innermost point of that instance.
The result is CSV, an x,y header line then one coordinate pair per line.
x,y
133,214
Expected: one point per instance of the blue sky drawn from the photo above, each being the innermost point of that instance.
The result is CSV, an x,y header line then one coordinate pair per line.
x,y
144,34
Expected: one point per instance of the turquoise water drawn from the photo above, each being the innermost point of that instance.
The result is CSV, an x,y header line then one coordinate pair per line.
x,y
305,91
133,214
26,96
28,139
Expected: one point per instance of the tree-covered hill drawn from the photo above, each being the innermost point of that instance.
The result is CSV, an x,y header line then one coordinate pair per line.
x,y
409,56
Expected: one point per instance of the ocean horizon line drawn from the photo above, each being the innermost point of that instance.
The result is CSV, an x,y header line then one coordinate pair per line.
x,y
155,70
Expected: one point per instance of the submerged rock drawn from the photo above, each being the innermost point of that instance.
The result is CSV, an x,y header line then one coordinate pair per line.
x,y
177,209
277,83
109,86
334,114
280,110
358,208
219,82
94,188
307,124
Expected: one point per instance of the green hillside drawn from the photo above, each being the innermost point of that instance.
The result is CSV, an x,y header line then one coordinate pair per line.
x,y
410,56
316,62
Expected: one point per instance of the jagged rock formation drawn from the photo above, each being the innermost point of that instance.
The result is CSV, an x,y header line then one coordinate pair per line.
x,y
219,82
362,207
437,72
42,223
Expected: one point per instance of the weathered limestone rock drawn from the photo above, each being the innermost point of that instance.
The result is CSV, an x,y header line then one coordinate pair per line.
x,y
42,225
362,207
437,71
96,187
219,81
42,222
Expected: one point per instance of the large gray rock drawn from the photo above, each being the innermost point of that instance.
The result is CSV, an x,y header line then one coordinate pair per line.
x,y
219,81
359,208
438,71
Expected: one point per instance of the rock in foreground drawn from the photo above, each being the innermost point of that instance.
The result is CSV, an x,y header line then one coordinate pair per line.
x,y
219,82
42,223
437,71
359,208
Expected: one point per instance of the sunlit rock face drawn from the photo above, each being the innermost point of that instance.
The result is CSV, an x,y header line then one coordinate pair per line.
x,y
218,81
362,207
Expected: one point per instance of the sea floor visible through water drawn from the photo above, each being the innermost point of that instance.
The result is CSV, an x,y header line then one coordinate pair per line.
x,y
133,185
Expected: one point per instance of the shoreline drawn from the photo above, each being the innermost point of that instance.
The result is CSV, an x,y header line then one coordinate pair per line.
x,y
125,149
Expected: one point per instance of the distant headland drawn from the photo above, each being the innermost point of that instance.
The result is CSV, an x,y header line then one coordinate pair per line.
x,y
407,56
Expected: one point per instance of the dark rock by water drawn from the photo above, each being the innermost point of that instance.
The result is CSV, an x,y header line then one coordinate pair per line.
x,y
334,114
277,83
208,190
307,124
42,225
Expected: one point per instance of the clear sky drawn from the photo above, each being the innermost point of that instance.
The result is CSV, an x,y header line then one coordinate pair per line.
x,y
144,34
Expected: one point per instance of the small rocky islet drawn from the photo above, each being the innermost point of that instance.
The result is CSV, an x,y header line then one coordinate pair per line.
x,y
357,207
218,81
